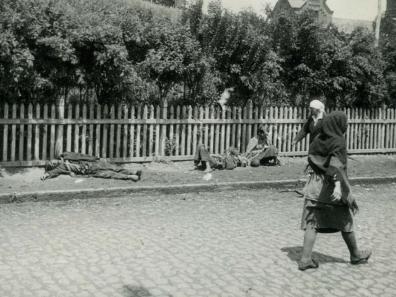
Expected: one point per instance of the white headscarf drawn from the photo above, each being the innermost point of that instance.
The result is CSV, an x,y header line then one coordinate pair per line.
x,y
317,105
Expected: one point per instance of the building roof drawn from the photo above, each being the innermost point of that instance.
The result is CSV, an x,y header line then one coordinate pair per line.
x,y
297,3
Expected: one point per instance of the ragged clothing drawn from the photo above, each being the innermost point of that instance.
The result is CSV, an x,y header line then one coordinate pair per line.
x,y
229,160
260,152
80,164
320,210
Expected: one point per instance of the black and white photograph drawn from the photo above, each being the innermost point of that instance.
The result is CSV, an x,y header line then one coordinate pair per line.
x,y
197,148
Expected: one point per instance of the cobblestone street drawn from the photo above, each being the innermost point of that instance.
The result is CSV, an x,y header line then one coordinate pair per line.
x,y
236,243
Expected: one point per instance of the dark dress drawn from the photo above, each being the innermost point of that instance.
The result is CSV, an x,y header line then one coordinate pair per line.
x,y
327,158
325,215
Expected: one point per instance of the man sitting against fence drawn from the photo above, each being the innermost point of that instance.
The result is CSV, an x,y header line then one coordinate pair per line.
x,y
81,164
259,150
229,160
203,160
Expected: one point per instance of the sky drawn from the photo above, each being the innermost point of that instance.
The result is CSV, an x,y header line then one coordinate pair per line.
x,y
350,9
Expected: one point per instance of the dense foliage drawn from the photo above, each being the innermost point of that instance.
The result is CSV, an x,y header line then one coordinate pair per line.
x,y
133,51
388,45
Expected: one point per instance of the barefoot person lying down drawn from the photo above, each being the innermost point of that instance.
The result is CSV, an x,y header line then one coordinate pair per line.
x,y
81,164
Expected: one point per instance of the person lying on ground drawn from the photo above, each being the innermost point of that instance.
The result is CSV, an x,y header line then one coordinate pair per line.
x,y
260,152
229,160
79,164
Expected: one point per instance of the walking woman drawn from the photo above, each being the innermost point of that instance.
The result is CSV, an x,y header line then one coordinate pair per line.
x,y
312,125
329,206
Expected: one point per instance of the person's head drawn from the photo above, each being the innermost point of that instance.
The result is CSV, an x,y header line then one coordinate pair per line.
x,y
49,165
316,107
261,132
335,124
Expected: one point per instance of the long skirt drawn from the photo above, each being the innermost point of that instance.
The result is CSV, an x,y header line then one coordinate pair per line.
x,y
324,217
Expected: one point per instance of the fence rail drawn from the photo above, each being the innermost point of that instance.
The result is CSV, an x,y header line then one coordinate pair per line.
x,y
31,134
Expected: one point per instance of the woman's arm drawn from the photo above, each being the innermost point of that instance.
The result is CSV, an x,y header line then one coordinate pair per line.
x,y
251,145
303,132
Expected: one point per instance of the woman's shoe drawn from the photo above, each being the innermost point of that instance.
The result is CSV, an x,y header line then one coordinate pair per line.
x,y
362,259
312,264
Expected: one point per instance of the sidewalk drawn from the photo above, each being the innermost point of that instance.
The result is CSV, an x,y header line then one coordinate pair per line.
x,y
22,183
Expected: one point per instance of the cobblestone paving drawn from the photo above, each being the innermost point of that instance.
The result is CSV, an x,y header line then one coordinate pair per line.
x,y
240,243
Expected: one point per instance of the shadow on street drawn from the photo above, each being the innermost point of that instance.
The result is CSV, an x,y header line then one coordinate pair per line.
x,y
294,254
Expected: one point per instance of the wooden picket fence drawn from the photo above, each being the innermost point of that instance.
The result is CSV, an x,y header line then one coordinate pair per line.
x,y
30,135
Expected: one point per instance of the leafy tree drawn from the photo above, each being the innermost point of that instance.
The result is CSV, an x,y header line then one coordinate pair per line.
x,y
388,47
317,61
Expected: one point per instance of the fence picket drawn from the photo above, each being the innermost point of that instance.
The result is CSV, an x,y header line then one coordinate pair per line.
x,y
228,129
69,128
21,133
151,132
125,111
91,130
84,130
45,132
37,135
171,141
183,133
194,130
77,129
163,128
200,129
222,148
188,152
207,116
5,135
233,128
239,131
98,134
118,133
138,131
157,131
177,133
132,133
29,134
144,137
111,133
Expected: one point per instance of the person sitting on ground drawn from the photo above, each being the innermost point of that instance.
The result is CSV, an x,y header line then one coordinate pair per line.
x,y
80,164
260,152
229,160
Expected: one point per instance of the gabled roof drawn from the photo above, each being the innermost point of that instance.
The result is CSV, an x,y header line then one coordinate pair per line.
x,y
297,3
300,3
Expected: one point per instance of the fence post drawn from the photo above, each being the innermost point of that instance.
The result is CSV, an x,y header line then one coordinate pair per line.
x,y
249,126
59,133
5,134
29,134
21,132
37,134
163,127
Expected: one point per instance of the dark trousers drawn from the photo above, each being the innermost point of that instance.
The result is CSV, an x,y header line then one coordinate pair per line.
x,y
203,157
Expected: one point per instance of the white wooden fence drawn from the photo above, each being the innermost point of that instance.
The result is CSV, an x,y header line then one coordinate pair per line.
x,y
30,134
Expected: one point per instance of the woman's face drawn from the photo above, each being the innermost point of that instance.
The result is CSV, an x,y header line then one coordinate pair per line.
x,y
314,111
